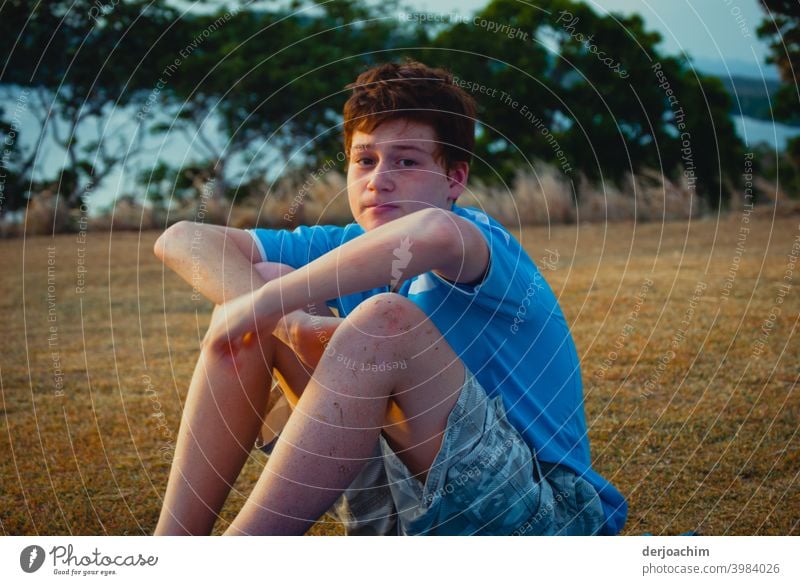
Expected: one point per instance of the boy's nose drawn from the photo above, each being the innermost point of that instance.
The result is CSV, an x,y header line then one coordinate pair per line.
x,y
380,179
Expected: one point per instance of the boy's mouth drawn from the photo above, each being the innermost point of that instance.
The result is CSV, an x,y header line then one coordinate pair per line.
x,y
383,208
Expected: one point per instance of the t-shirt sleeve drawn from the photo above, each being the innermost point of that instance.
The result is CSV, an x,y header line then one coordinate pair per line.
x,y
303,245
511,277
300,246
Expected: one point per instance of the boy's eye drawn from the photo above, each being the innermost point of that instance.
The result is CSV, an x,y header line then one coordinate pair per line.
x,y
366,161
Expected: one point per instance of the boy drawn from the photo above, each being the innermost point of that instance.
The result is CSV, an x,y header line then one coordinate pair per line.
x,y
449,357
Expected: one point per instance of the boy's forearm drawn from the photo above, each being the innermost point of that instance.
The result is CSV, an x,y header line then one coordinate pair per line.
x,y
219,271
212,265
394,252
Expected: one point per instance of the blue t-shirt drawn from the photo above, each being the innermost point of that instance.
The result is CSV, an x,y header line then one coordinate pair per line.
x,y
508,330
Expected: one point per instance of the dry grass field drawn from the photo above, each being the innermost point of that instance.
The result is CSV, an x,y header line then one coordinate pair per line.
x,y
689,348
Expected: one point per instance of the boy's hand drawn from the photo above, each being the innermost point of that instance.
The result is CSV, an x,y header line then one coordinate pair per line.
x,y
237,323
293,328
240,322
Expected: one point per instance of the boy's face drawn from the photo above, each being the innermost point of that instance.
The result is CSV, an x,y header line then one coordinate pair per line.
x,y
393,171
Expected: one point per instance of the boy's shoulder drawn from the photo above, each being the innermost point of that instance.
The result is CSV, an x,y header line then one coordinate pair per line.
x,y
486,223
334,235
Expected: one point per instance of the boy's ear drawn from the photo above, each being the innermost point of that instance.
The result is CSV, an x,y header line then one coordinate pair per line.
x,y
457,179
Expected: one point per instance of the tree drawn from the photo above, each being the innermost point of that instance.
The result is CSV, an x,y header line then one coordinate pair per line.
x,y
781,29
78,61
589,94
250,95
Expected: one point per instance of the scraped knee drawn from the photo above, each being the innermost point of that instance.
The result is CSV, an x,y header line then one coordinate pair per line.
x,y
386,315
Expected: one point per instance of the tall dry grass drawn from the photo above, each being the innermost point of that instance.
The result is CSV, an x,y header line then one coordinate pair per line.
x,y
542,197
546,197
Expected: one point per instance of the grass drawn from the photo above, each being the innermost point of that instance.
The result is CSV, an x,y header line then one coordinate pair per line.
x,y
705,439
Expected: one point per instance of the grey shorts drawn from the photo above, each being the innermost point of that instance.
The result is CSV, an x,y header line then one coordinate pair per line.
x,y
484,480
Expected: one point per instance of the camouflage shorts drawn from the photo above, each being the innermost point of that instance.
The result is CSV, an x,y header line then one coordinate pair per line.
x,y
484,480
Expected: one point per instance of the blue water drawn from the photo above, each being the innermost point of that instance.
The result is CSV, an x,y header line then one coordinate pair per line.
x,y
753,131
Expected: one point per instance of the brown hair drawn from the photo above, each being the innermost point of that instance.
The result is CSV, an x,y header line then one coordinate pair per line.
x,y
419,93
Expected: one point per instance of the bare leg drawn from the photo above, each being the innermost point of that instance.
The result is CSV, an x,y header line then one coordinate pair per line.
x,y
345,406
221,418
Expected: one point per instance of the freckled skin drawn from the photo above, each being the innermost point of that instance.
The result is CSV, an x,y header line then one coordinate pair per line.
x,y
392,319
410,182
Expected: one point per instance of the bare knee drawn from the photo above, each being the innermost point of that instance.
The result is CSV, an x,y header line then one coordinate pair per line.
x,y
381,335
386,326
385,314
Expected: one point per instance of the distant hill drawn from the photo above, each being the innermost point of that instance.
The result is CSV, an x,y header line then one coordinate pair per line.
x,y
736,68
751,97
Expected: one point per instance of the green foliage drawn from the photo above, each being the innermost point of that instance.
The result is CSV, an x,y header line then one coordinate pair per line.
x,y
585,97
81,61
273,80
781,29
